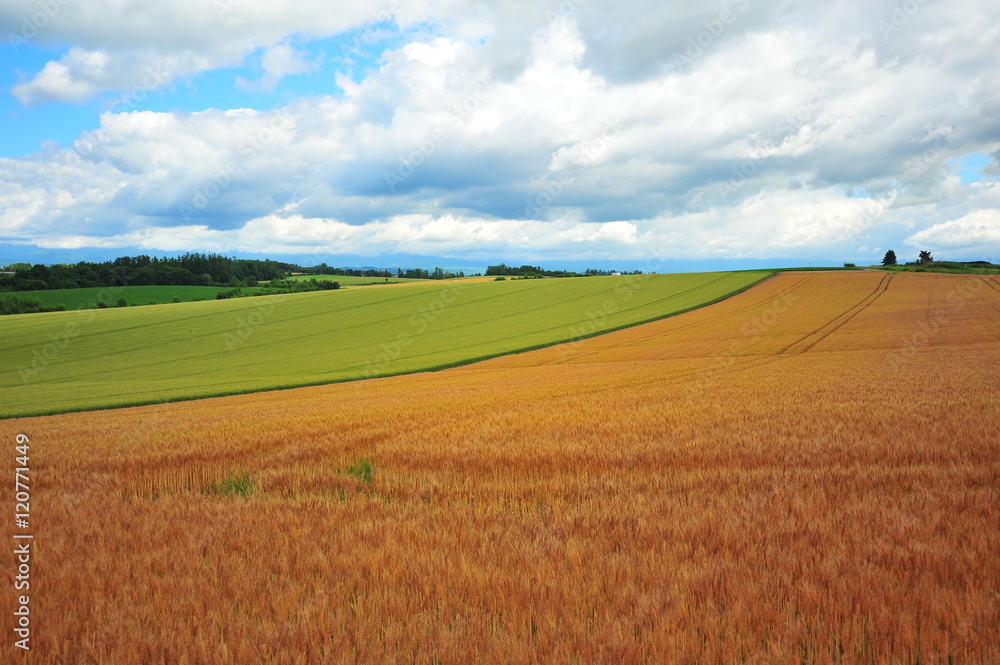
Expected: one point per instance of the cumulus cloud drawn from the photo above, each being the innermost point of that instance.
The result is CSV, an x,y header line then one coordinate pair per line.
x,y
976,229
558,129
993,168
83,74
117,44
278,62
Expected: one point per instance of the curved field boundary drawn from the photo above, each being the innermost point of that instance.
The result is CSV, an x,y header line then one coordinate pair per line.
x,y
620,505
788,316
68,361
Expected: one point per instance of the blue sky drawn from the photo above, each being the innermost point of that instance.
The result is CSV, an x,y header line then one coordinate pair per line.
x,y
970,167
557,132
25,129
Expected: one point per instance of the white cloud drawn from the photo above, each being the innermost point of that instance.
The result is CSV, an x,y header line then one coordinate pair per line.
x,y
402,233
54,83
976,229
278,62
575,135
118,44
82,74
54,193
615,233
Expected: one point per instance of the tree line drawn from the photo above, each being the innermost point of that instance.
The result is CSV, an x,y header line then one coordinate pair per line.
x,y
191,269
196,269
399,273
534,272
926,260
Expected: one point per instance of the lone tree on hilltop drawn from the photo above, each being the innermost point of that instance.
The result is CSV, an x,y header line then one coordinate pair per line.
x,y
889,259
925,257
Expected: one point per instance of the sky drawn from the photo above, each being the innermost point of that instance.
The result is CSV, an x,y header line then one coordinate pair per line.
x,y
553,132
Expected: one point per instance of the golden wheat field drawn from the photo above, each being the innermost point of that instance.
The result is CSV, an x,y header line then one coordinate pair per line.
x,y
808,472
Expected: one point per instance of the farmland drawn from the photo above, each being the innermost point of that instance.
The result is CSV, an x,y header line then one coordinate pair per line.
x,y
808,472
87,298
65,361
74,299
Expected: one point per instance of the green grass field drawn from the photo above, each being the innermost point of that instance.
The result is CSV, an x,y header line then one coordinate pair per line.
x,y
133,295
75,299
70,361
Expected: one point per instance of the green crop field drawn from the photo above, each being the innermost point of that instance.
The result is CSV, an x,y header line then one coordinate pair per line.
x,y
133,295
70,361
144,295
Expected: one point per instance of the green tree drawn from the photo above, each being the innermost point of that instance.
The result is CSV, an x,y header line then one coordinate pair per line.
x,y
925,257
889,259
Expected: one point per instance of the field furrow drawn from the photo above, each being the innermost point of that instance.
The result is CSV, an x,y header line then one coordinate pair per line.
x,y
680,491
834,325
